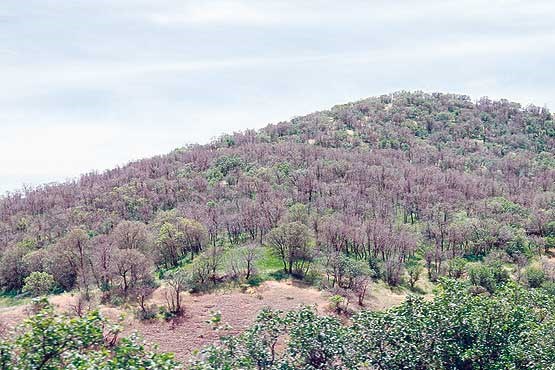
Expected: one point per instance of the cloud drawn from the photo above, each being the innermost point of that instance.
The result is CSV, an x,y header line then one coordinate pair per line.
x,y
93,84
37,79
213,12
327,12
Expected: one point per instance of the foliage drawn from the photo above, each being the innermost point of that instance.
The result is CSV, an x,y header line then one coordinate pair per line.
x,y
488,276
378,180
456,267
39,283
48,340
293,243
414,269
535,277
362,188
458,329
178,282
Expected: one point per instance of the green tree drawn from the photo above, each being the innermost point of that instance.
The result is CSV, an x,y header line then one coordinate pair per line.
x,y
39,283
414,270
293,243
177,236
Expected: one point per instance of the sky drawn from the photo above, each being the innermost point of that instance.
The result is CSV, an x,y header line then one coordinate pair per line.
x,y
88,85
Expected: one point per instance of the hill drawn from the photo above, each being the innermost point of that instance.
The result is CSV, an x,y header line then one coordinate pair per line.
x,y
364,195
472,176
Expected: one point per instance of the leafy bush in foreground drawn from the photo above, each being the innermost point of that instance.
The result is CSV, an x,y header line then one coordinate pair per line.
x,y
511,329
52,341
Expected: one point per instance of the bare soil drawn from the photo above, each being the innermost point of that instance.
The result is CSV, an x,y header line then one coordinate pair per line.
x,y
238,309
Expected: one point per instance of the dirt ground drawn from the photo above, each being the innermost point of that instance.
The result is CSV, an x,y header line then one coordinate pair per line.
x,y
238,309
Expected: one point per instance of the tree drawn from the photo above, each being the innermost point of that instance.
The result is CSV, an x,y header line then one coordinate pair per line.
x,y
12,268
468,177
131,235
176,236
293,243
131,269
214,258
344,272
169,244
56,262
242,261
414,269
102,260
488,275
178,282
361,278
75,248
535,277
393,270
456,267
39,283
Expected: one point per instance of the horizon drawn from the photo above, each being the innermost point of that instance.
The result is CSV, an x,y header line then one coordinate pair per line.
x,y
90,86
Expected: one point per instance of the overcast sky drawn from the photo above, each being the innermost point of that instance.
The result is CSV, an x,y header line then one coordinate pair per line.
x,y
91,84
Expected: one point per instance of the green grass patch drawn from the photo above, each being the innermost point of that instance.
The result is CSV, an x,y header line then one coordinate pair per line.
x,y
11,300
268,263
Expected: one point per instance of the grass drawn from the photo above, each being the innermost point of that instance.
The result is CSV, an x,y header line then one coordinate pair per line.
x,y
268,264
11,300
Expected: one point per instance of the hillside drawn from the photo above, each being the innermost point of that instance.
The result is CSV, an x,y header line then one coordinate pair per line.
x,y
364,194
442,161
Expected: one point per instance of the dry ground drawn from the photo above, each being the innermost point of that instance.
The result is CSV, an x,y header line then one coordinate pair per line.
x,y
238,309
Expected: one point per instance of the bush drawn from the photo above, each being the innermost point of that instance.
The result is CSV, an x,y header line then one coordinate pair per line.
x,y
255,281
335,302
489,276
535,277
414,269
116,300
148,313
510,329
549,288
279,275
39,283
76,343
376,267
456,267
165,313
12,268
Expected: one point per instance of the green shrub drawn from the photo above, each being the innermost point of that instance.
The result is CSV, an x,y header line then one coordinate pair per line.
x,y
549,287
535,277
165,314
279,275
456,267
149,313
489,276
39,283
116,300
512,328
414,269
255,281
76,343
335,302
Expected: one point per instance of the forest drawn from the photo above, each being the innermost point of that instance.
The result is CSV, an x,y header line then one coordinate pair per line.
x,y
393,189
